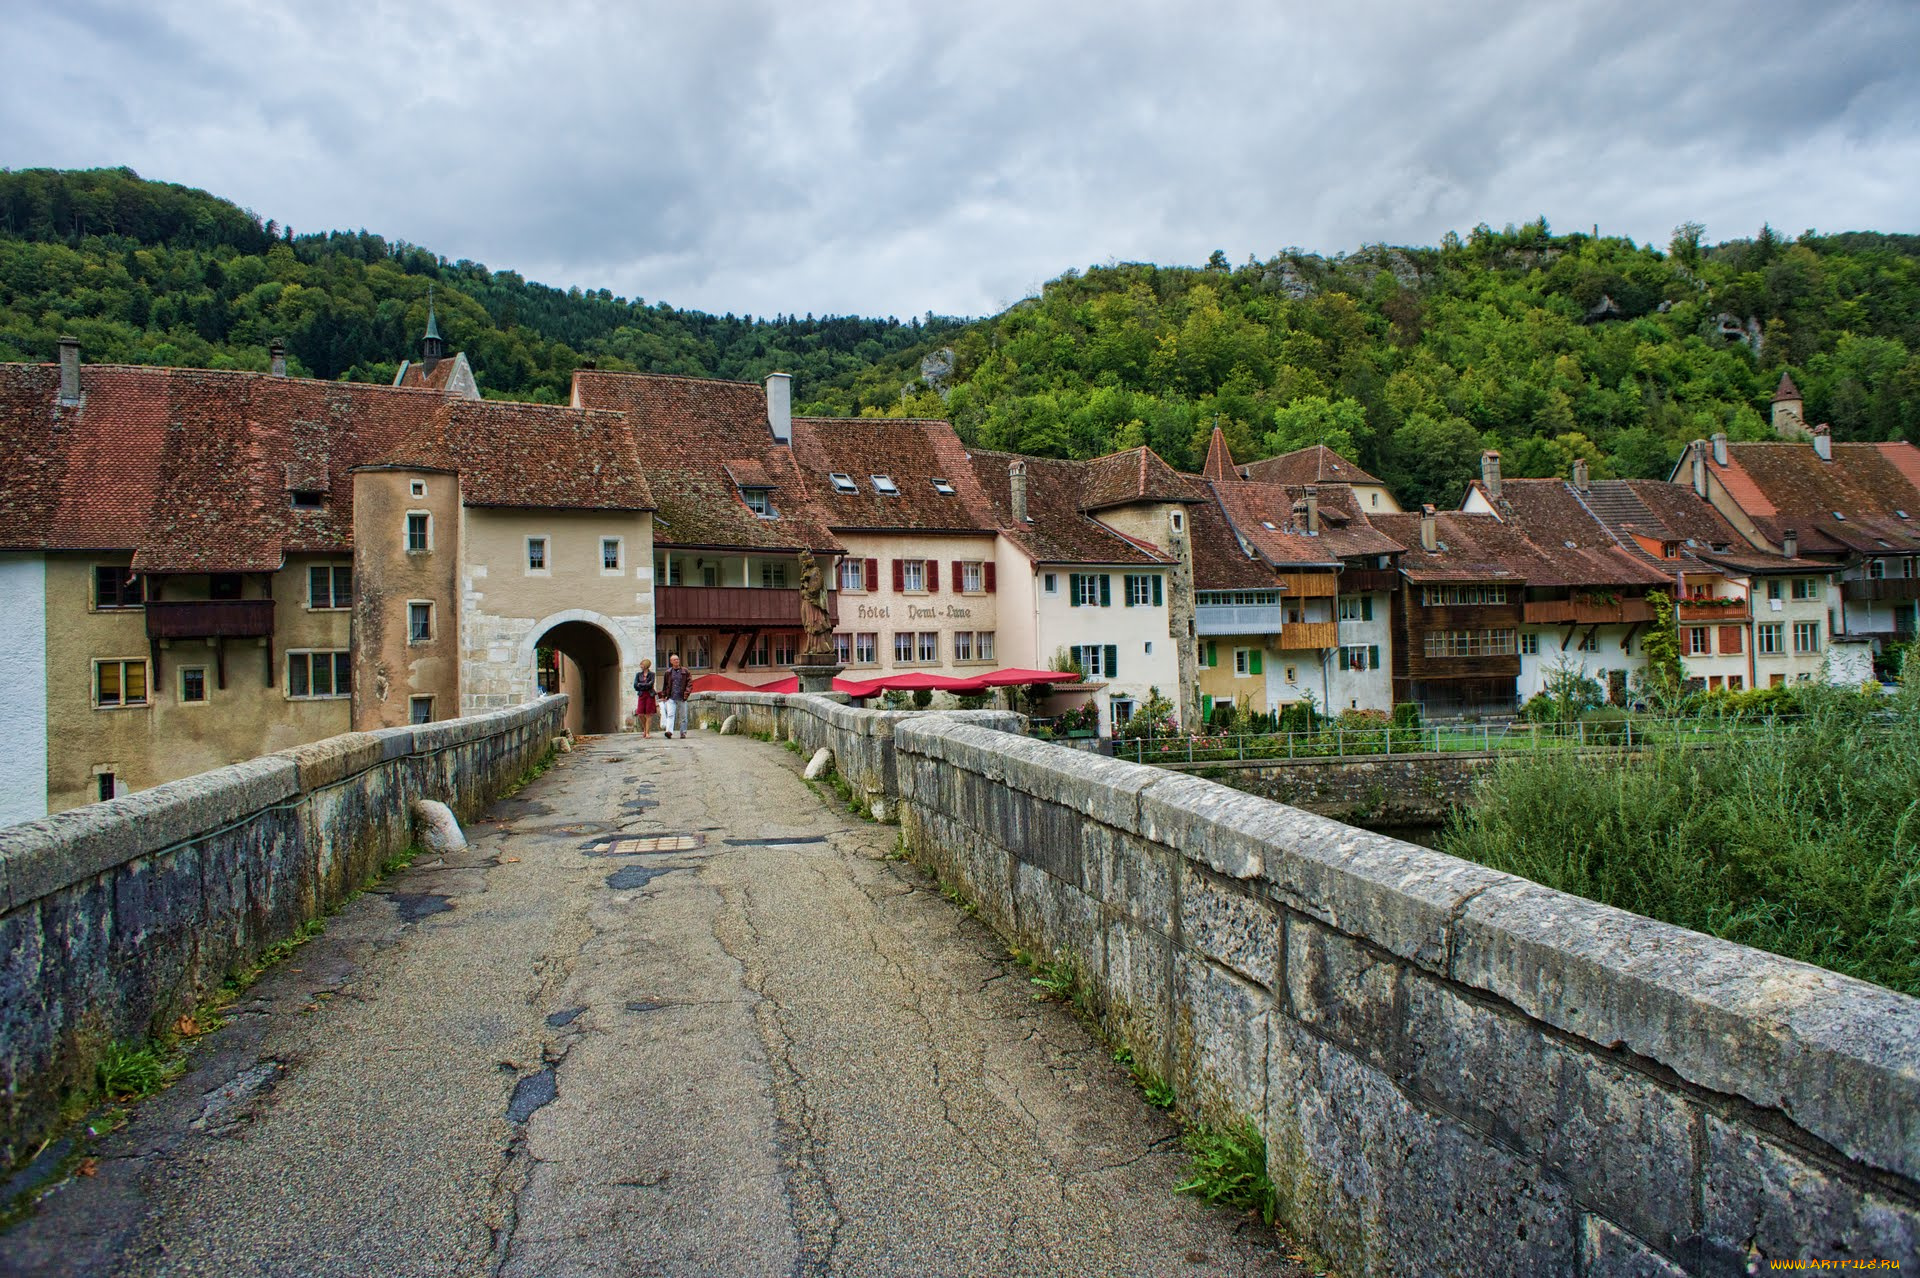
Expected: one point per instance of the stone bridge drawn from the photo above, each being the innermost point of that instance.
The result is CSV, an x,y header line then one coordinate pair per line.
x,y
673,1013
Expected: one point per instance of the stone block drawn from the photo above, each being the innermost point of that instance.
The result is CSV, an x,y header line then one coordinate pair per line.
x,y
1137,991
1220,1041
1044,835
818,765
1382,1186
1345,991
1764,1200
1221,920
1128,875
1223,829
1834,1053
1056,920
1607,1252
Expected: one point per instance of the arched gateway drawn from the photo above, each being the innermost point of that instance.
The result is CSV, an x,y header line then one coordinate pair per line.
x,y
581,654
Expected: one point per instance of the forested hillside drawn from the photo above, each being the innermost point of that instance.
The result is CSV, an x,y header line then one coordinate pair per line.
x,y
1411,360
151,273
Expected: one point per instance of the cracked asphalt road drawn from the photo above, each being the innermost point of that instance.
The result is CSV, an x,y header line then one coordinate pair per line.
x,y
782,1054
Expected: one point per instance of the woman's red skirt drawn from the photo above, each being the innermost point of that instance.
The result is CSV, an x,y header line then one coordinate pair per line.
x,y
647,704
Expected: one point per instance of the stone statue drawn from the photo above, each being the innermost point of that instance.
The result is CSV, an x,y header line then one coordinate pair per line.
x,y
813,612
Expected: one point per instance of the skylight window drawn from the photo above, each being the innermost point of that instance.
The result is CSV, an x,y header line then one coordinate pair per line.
x,y
843,483
1839,517
1901,513
1268,525
943,487
884,485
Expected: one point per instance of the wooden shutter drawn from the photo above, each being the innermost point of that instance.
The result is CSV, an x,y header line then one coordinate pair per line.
x,y
1113,658
1158,599
1254,665
1366,607
1730,640
987,568
959,578
1106,590
1213,653
1126,589
1073,589
870,575
899,575
1373,656
933,574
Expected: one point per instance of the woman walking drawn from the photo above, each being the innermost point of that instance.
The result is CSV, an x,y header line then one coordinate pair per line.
x,y
647,706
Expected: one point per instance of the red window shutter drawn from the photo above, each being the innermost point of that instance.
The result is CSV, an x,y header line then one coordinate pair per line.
x,y
1730,639
988,569
933,574
959,578
870,577
899,574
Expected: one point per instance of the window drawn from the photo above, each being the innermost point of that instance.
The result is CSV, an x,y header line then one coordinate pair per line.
x,y
1876,569
319,674
866,649
418,488
843,483
1530,645
1767,637
103,785
193,685
1089,656
963,645
944,488
1773,587
913,574
1050,583
1360,656
1179,521
1143,590
1588,643
884,485
329,587
419,532
759,652
983,645
308,499
1122,710
696,651
118,684
1243,661
225,585
1356,607
1699,641
783,649
1291,674
773,576
536,554
709,574
759,501
419,621
610,554
973,578
853,575
1455,596
843,649
929,645
1469,643
419,709
1806,636
1089,589
1238,598
1806,587
117,588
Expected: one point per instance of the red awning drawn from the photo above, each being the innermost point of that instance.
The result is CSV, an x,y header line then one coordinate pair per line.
x,y
723,683
1013,677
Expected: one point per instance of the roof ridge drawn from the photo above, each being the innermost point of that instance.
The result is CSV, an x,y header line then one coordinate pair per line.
x,y
669,377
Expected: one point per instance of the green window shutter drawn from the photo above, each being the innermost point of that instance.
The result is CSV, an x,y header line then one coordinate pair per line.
x,y
1157,600
1106,590
1113,657
1126,586
1213,653
1373,656
1253,662
1206,706
1073,589
1366,607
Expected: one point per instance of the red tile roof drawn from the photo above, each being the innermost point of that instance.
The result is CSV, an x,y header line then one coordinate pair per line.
x,y
1251,506
417,376
544,456
1314,464
1219,562
1059,531
912,453
1839,508
1571,543
1786,389
1136,475
1219,458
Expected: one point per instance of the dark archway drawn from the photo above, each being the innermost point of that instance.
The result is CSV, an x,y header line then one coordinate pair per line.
x,y
583,661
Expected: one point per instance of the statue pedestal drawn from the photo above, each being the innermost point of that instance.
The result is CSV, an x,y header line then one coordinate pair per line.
x,y
817,678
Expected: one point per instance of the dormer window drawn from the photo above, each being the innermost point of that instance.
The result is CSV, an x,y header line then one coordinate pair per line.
x,y
1670,549
884,485
843,483
943,487
308,499
759,501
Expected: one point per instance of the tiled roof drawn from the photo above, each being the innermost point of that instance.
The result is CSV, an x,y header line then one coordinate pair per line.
x,y
912,453
1060,531
1478,547
1219,458
1839,507
1136,475
1344,530
1218,561
544,456
1571,542
1314,464
1786,389
687,430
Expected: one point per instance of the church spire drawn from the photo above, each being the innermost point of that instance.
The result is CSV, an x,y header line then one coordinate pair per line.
x,y
432,349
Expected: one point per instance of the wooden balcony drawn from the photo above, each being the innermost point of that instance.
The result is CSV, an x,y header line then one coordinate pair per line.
x,y
1367,581
1882,590
1587,612
1298,635
210,619
1309,585
1710,611
1237,619
731,608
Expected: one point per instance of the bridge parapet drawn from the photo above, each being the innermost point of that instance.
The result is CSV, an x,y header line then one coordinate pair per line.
x,y
117,917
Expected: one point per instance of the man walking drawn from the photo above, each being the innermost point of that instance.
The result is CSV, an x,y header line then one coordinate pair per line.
x,y
675,688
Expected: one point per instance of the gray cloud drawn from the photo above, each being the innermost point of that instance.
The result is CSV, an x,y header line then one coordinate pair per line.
x,y
885,158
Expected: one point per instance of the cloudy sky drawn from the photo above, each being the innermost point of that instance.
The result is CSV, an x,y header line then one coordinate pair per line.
x,y
895,158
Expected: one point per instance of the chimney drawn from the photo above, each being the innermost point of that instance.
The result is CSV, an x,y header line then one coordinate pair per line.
x,y
1697,452
1017,486
1313,511
1823,442
1580,479
1490,473
69,370
277,352
1719,448
780,406
1790,544
1429,530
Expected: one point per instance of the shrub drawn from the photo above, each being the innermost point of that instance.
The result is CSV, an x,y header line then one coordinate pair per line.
x,y
1224,713
922,698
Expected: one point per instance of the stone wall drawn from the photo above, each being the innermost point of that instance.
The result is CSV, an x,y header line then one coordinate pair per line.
x,y
117,917
1418,789
1456,1071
